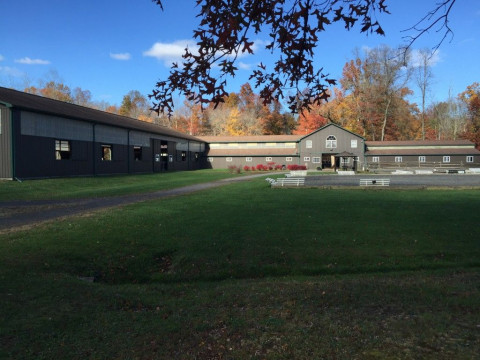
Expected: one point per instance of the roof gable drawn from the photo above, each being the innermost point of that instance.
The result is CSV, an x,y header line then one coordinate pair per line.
x,y
329,125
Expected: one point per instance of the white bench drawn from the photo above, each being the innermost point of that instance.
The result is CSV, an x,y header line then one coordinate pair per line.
x,y
374,182
295,173
290,181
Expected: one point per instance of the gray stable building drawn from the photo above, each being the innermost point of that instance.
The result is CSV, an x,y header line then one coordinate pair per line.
x,y
42,137
328,147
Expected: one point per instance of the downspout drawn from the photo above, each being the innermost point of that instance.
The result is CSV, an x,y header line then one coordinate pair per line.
x,y
93,152
12,144
128,152
188,155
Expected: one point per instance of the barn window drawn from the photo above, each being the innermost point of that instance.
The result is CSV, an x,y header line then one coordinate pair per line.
x,y
470,159
137,153
184,156
421,159
106,152
229,159
446,159
268,158
306,158
210,159
375,159
331,142
197,156
309,144
398,159
353,144
316,160
62,149
248,159
288,159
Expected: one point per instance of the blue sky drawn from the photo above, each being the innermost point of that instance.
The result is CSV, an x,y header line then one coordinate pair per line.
x,y
112,47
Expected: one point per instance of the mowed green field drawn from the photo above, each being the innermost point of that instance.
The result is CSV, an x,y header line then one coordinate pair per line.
x,y
248,272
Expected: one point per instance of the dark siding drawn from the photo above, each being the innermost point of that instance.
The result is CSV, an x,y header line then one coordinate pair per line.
x,y
6,171
35,158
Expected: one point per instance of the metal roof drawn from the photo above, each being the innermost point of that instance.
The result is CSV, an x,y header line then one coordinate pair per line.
x,y
35,103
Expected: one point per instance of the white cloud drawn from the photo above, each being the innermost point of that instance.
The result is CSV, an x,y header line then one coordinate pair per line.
x,y
9,71
416,58
170,52
28,61
1,57
244,66
121,56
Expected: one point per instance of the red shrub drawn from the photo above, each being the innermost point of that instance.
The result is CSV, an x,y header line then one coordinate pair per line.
x,y
246,168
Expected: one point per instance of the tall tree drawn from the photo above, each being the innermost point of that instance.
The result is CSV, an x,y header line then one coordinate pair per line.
x,y
423,79
226,29
134,104
471,98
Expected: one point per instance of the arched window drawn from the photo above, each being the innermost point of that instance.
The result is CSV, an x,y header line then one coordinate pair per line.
x,y
331,142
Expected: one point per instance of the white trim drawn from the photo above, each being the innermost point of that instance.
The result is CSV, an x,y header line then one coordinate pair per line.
x,y
470,158
248,159
288,159
446,159
228,159
422,159
268,158
306,158
375,159
398,159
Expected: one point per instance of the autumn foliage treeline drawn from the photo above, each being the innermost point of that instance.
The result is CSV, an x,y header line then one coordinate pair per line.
x,y
372,100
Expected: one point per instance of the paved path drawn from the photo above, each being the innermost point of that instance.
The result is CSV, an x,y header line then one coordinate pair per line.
x,y
15,215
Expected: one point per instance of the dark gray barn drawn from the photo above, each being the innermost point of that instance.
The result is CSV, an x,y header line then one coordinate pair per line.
x,y
42,137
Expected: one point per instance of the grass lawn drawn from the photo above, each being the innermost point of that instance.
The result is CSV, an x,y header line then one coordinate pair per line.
x,y
83,187
248,272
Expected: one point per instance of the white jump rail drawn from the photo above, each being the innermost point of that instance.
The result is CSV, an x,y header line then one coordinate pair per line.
x,y
284,182
374,182
346,172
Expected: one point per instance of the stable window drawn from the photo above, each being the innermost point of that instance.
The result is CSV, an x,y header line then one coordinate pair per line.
x,y
197,156
62,149
137,153
210,159
248,159
268,159
309,144
446,159
353,144
345,160
375,159
331,142
398,159
106,152
421,159
184,156
229,159
306,158
470,159
288,159
316,160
